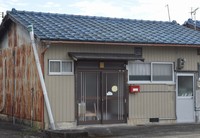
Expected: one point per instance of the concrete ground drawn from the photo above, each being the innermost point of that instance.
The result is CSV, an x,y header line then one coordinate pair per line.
x,y
146,131
8,130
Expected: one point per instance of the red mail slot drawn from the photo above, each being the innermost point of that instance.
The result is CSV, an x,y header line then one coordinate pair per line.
x,y
134,88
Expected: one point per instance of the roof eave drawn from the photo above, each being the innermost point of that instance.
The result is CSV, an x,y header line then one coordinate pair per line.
x,y
118,43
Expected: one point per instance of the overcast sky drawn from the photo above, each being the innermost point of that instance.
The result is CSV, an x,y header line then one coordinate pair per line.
x,y
134,9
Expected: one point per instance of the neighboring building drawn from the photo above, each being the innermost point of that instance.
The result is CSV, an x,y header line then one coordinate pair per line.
x,y
193,24
90,65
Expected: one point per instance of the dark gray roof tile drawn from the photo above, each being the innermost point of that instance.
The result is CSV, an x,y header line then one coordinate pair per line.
x,y
102,29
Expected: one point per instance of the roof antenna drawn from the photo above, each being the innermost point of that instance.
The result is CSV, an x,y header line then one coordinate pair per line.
x,y
2,15
168,12
193,12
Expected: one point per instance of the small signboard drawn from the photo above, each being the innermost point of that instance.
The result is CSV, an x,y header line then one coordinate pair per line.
x,y
134,88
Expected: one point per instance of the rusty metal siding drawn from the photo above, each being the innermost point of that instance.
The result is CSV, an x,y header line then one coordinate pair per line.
x,y
22,85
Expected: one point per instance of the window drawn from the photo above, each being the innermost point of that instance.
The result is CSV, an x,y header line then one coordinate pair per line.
x,y
140,72
162,72
61,67
151,72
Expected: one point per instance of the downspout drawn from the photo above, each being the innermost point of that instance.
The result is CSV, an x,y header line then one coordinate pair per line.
x,y
42,64
46,99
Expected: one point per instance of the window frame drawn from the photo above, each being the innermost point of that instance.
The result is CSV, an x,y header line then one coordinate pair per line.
x,y
61,72
151,74
140,81
165,63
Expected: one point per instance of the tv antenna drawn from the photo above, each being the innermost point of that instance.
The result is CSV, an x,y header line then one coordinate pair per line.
x,y
193,14
168,12
1,16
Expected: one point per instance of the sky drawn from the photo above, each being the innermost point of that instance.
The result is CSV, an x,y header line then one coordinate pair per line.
x,y
179,10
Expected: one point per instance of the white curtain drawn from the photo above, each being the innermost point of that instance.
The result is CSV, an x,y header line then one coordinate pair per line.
x,y
162,72
54,66
143,69
66,66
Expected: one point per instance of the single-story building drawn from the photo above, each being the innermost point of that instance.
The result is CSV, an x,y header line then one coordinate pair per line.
x,y
98,70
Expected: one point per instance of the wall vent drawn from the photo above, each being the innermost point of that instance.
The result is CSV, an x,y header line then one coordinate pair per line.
x,y
153,119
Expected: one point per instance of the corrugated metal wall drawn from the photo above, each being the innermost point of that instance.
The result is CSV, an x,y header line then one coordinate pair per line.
x,y
171,54
61,89
159,100
19,78
155,100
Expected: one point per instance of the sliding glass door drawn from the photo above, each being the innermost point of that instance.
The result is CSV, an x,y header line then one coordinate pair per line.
x,y
100,97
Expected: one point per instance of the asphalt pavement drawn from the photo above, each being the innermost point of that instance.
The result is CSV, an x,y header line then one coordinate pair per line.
x,y
146,131
10,130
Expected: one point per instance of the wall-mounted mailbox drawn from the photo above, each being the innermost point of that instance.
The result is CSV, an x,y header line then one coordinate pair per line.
x,y
134,88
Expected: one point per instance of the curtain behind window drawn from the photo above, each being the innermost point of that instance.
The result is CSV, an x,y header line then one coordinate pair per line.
x,y
140,71
66,66
162,72
54,66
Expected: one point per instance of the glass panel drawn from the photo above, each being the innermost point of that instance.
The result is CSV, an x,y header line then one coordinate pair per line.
x,y
88,96
139,71
185,85
54,66
96,107
66,66
162,72
113,98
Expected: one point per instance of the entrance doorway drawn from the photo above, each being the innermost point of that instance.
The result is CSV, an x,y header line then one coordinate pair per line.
x,y
185,98
101,97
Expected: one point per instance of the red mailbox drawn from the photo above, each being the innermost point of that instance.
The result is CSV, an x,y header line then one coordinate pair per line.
x,y
134,88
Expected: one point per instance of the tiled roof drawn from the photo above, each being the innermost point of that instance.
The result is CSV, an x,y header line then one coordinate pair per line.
x,y
48,26
192,24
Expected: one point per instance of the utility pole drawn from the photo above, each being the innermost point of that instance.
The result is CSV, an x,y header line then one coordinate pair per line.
x,y
168,12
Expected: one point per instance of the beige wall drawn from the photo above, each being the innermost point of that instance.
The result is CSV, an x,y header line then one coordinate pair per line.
x,y
155,100
171,54
159,100
61,89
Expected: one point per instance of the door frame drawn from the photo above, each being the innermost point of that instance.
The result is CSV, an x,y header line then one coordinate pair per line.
x,y
124,97
185,74
109,69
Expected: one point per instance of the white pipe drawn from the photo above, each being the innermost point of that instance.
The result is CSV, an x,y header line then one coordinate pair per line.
x,y
46,99
4,85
